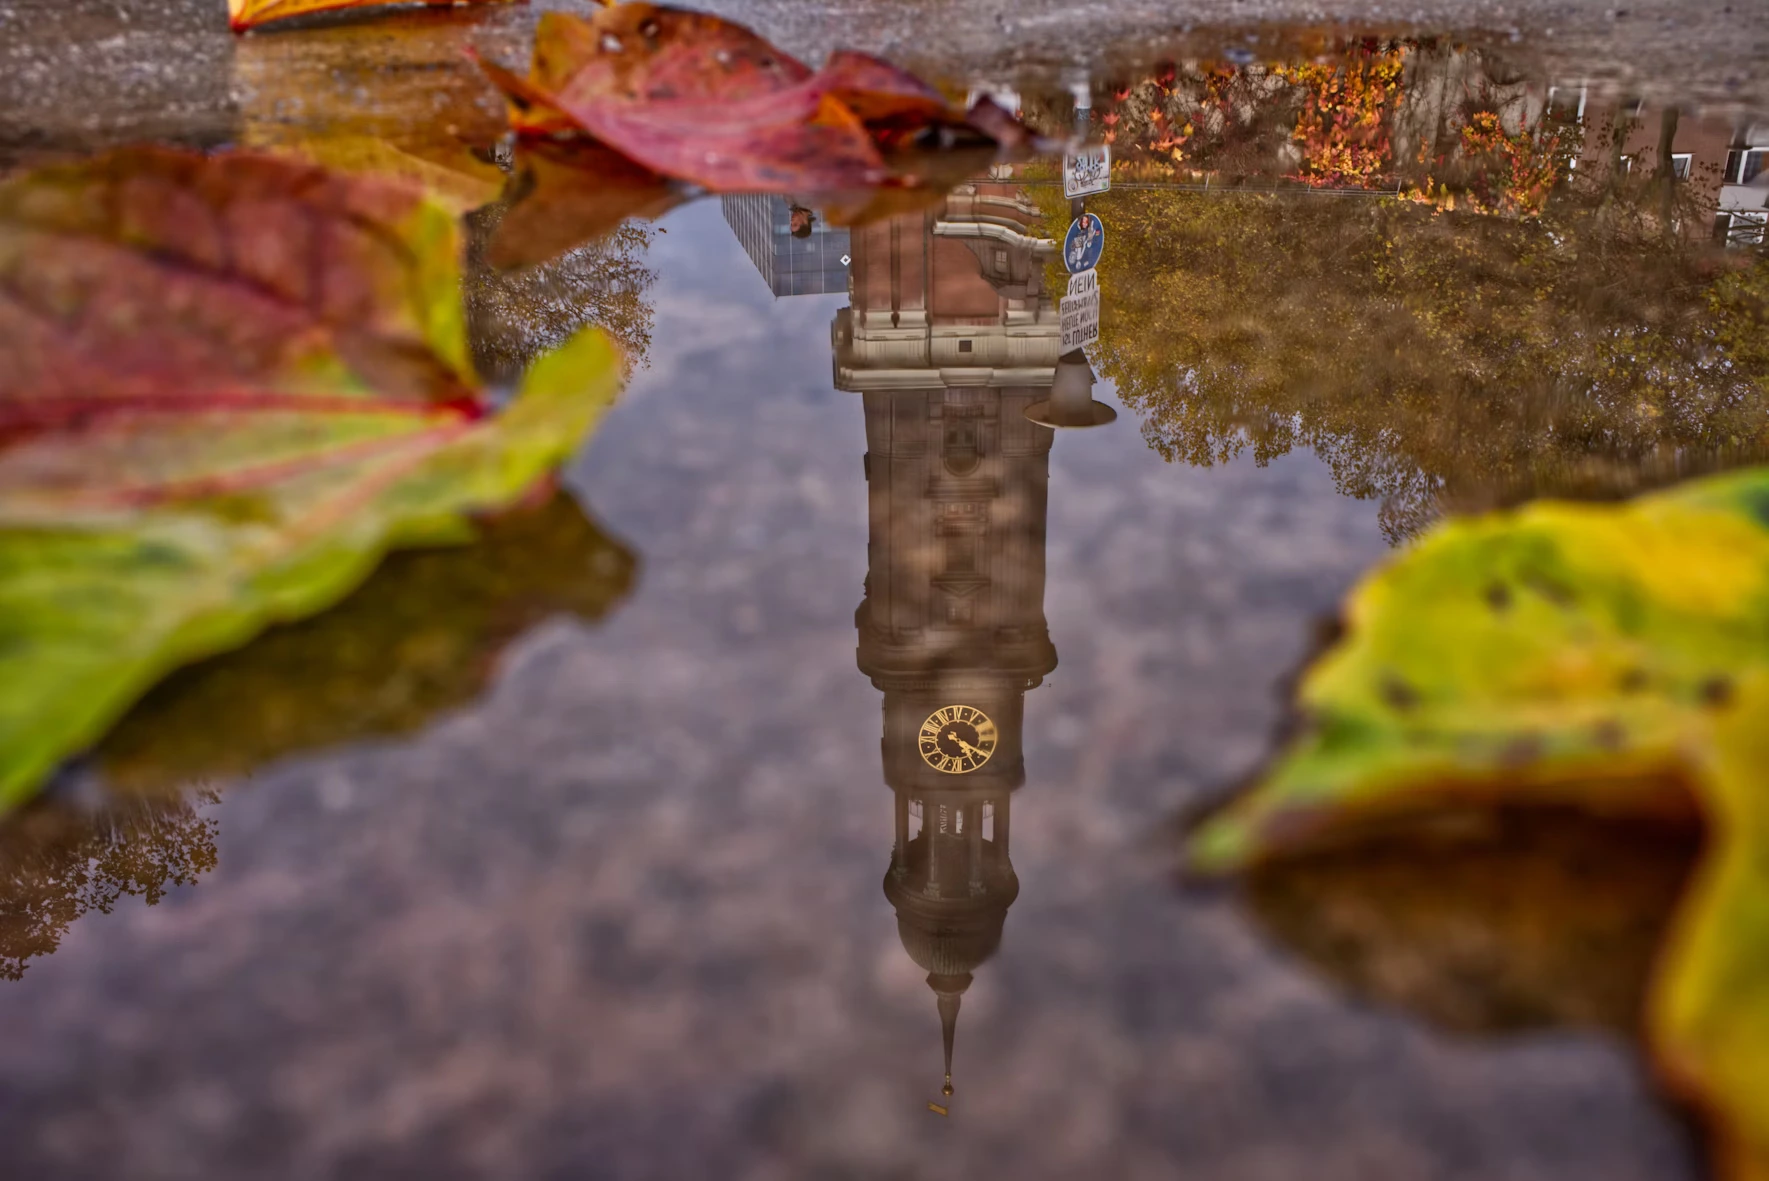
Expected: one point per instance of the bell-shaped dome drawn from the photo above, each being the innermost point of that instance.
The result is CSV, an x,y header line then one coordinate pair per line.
x,y
948,949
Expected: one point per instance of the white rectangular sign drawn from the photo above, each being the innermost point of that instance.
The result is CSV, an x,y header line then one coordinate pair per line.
x,y
1088,170
1080,318
1084,283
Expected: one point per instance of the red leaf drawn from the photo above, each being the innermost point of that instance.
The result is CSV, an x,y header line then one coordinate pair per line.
x,y
231,383
641,52
696,98
254,264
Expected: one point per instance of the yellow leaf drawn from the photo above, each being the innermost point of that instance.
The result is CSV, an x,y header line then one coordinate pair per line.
x,y
1609,659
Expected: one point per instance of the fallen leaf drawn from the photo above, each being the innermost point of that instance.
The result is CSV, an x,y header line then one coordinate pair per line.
x,y
650,52
232,384
743,147
1612,659
249,14
695,98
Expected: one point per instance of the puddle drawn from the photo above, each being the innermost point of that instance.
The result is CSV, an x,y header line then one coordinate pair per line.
x,y
825,733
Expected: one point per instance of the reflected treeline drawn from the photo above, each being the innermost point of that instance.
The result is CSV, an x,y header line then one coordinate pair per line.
x,y
58,863
423,636
513,316
1460,289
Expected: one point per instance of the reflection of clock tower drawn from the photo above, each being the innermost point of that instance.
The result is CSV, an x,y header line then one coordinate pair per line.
x,y
949,337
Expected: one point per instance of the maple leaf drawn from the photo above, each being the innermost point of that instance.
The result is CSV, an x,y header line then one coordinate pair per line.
x,y
233,383
1609,659
248,14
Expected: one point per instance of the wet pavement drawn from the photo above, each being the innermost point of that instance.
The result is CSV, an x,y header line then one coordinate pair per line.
x,y
615,847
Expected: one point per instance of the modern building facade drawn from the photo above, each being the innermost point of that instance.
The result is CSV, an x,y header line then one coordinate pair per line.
x,y
815,264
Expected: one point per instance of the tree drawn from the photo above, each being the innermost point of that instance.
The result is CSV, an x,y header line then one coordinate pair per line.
x,y
1437,361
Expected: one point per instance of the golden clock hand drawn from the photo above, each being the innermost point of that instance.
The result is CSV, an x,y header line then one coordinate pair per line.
x,y
971,750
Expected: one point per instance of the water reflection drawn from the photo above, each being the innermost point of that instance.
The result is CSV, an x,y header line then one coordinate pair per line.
x,y
1493,924
795,251
422,637
950,337
1433,121
59,863
1460,287
516,315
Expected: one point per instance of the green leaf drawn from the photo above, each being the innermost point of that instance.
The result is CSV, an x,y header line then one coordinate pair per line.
x,y
1614,659
233,384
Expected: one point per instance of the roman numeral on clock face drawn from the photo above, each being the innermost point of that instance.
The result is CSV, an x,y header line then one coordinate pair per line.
x,y
956,739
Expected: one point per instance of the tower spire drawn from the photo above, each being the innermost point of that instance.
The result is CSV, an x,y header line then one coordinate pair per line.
x,y
948,992
948,1002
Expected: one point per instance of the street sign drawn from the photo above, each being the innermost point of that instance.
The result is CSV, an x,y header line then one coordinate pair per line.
x,y
1078,311
1088,170
1084,243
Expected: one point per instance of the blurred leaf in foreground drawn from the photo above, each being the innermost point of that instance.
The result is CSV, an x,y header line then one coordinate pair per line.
x,y
248,14
421,637
1610,659
232,384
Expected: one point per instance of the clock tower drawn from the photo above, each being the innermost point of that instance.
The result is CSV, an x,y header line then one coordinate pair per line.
x,y
948,338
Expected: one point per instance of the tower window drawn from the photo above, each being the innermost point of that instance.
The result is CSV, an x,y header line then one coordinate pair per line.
x,y
964,346
961,554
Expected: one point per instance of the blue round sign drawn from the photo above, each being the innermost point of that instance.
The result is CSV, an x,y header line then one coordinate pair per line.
x,y
1084,243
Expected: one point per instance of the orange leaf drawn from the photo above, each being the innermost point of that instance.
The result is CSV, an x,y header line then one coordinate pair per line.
x,y
248,14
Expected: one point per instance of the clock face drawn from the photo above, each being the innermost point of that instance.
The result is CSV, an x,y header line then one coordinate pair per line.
x,y
957,739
